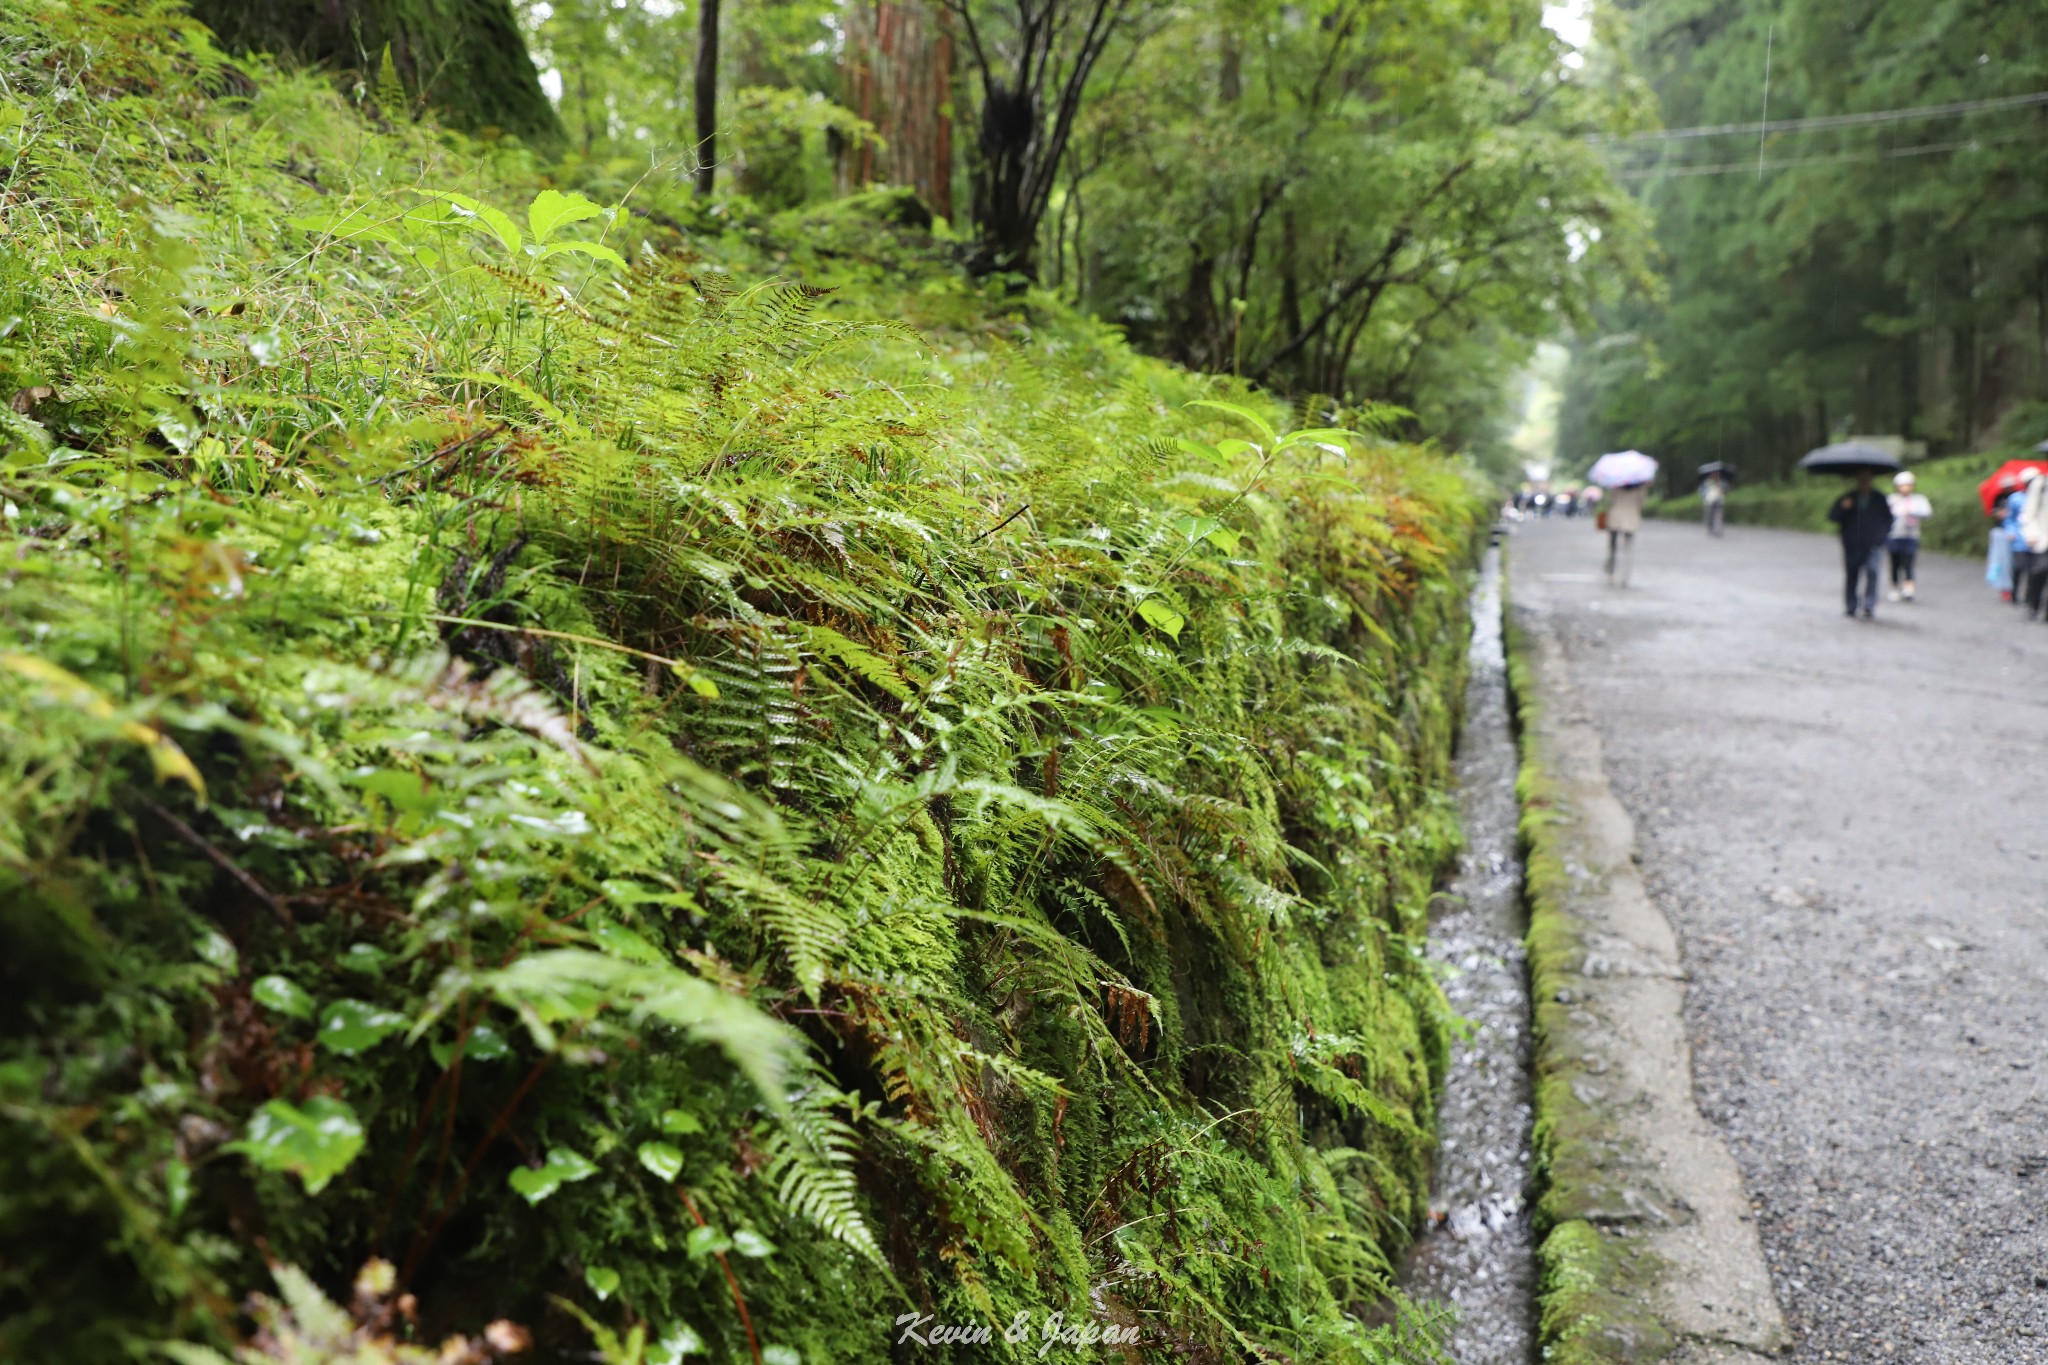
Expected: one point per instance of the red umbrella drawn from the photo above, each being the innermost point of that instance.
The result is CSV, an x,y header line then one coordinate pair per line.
x,y
2012,474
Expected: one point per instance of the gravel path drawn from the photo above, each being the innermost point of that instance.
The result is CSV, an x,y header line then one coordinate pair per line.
x,y
1845,822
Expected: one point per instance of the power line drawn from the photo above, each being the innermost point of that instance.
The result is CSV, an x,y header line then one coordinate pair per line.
x,y
1765,115
1784,163
1802,125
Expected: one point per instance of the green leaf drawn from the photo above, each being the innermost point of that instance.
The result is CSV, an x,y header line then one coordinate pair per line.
x,y
564,1166
344,227
526,391
1161,616
404,791
282,994
706,1241
363,957
1245,414
603,1281
479,215
1341,437
353,1026
552,209
680,1121
553,986
315,1143
864,661
623,942
664,1161
177,1187
215,949
595,250
748,1242
781,1355
677,1342
485,1044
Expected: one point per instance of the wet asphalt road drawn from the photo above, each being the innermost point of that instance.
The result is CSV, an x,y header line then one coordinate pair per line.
x,y
1847,824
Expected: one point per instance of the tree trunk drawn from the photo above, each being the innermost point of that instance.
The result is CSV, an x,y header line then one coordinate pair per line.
x,y
899,77
1003,207
1201,343
1290,277
464,58
2041,328
1031,94
706,94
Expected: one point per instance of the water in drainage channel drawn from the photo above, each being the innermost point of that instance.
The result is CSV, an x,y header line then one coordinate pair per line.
x,y
1479,1253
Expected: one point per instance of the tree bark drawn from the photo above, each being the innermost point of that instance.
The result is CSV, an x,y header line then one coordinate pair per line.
x,y
706,94
898,74
464,58
1031,92
1003,207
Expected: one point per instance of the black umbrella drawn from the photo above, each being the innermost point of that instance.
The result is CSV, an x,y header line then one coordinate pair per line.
x,y
1850,457
1709,470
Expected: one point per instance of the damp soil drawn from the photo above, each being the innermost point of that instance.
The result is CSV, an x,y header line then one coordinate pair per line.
x,y
1478,1255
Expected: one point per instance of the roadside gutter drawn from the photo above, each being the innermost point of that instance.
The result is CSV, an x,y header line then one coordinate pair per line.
x,y
1649,1249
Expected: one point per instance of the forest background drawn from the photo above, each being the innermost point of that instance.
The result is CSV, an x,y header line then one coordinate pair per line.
x,y
1354,198
1874,261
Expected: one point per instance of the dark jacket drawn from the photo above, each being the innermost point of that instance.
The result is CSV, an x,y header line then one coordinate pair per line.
x,y
1865,518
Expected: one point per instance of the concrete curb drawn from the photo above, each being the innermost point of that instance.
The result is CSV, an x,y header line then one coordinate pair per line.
x,y
1648,1246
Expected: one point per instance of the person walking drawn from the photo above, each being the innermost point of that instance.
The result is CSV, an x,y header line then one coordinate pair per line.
x,y
1998,557
1909,509
2032,532
1864,518
1622,513
2020,560
1714,498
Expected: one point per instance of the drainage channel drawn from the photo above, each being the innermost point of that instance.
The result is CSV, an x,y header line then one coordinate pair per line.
x,y
1478,1254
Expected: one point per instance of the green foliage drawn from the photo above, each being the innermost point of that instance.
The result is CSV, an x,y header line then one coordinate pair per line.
x,y
651,797
1362,200
1888,276
315,1143
1374,199
624,73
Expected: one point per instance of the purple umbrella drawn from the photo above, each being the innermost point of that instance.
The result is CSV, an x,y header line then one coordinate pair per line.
x,y
1623,469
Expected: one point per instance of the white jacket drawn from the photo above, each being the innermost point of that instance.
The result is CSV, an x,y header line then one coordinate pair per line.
x,y
2034,520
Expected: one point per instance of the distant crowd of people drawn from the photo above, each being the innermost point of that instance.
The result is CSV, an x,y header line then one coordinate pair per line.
x,y
1880,529
1565,502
